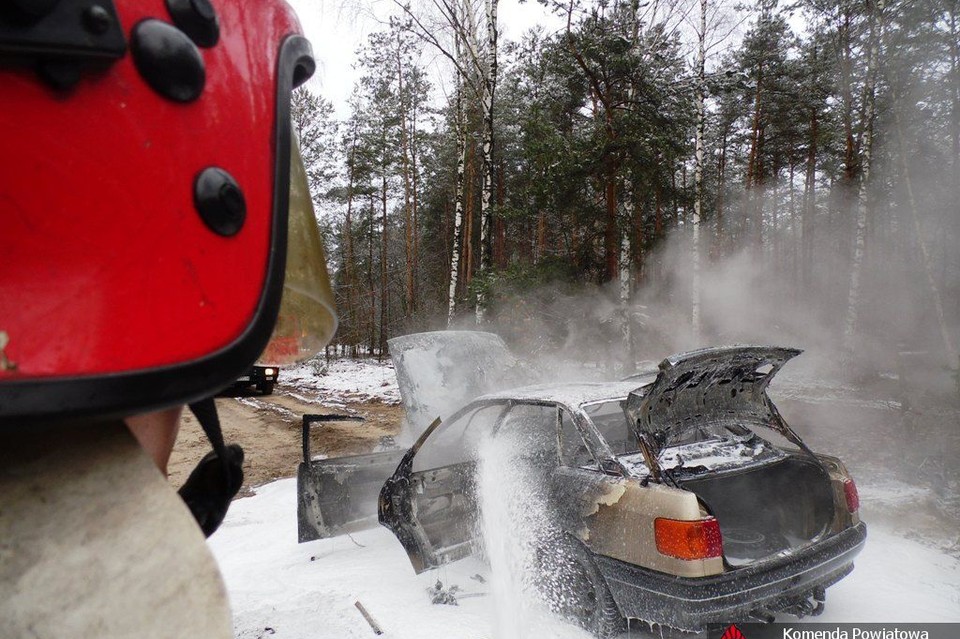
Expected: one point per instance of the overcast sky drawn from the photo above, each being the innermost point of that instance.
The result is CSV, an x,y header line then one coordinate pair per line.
x,y
337,28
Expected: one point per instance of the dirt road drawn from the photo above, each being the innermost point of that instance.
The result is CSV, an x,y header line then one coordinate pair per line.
x,y
268,428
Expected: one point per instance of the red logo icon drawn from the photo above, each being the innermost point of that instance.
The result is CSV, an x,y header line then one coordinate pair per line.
x,y
732,633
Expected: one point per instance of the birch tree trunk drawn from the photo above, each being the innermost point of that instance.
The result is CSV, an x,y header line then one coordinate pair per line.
x,y
625,284
461,133
370,282
774,243
794,231
809,204
382,343
415,202
348,263
859,247
721,192
626,222
753,214
698,171
469,201
486,197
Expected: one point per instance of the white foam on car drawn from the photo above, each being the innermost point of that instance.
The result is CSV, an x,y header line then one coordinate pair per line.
x,y
513,523
711,455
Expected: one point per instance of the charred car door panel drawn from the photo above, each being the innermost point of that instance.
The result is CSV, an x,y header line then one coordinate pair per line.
x,y
429,503
339,495
444,503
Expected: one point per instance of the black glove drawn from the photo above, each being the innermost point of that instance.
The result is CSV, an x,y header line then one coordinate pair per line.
x,y
212,485
218,477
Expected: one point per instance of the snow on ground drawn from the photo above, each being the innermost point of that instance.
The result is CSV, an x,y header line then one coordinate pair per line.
x,y
896,580
903,574
285,590
282,589
344,380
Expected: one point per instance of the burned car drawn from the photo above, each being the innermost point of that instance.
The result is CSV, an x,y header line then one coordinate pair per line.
x,y
679,497
683,512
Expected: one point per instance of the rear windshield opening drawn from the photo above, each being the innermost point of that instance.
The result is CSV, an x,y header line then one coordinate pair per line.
x,y
613,426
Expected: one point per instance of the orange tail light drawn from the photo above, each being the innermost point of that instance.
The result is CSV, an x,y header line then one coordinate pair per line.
x,y
698,539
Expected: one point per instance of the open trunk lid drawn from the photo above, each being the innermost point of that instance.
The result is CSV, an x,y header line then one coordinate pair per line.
x,y
695,426
722,387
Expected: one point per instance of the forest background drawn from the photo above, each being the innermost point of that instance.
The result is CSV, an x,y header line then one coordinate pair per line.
x,y
652,177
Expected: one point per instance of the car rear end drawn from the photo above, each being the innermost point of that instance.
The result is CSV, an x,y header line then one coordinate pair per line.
x,y
782,520
793,583
785,524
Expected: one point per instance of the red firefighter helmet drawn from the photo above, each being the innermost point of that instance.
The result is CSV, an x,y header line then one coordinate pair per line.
x,y
143,198
149,184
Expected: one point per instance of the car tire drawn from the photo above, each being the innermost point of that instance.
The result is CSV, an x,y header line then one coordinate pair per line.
x,y
265,387
586,599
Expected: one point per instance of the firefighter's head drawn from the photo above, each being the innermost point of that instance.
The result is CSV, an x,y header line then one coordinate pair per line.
x,y
150,181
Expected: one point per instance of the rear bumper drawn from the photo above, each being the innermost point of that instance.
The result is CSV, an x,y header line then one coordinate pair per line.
x,y
692,603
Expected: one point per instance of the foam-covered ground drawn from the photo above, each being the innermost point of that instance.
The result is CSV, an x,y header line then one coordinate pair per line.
x,y
279,588
908,572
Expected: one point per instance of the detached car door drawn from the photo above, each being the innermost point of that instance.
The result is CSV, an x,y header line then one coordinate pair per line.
x,y
430,502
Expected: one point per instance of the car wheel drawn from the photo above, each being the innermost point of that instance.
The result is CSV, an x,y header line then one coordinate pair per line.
x,y
266,388
584,597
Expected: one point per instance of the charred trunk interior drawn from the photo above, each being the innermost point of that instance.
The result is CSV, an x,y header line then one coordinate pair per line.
x,y
767,509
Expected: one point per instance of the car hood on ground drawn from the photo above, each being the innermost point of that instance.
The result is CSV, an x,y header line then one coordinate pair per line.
x,y
723,386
